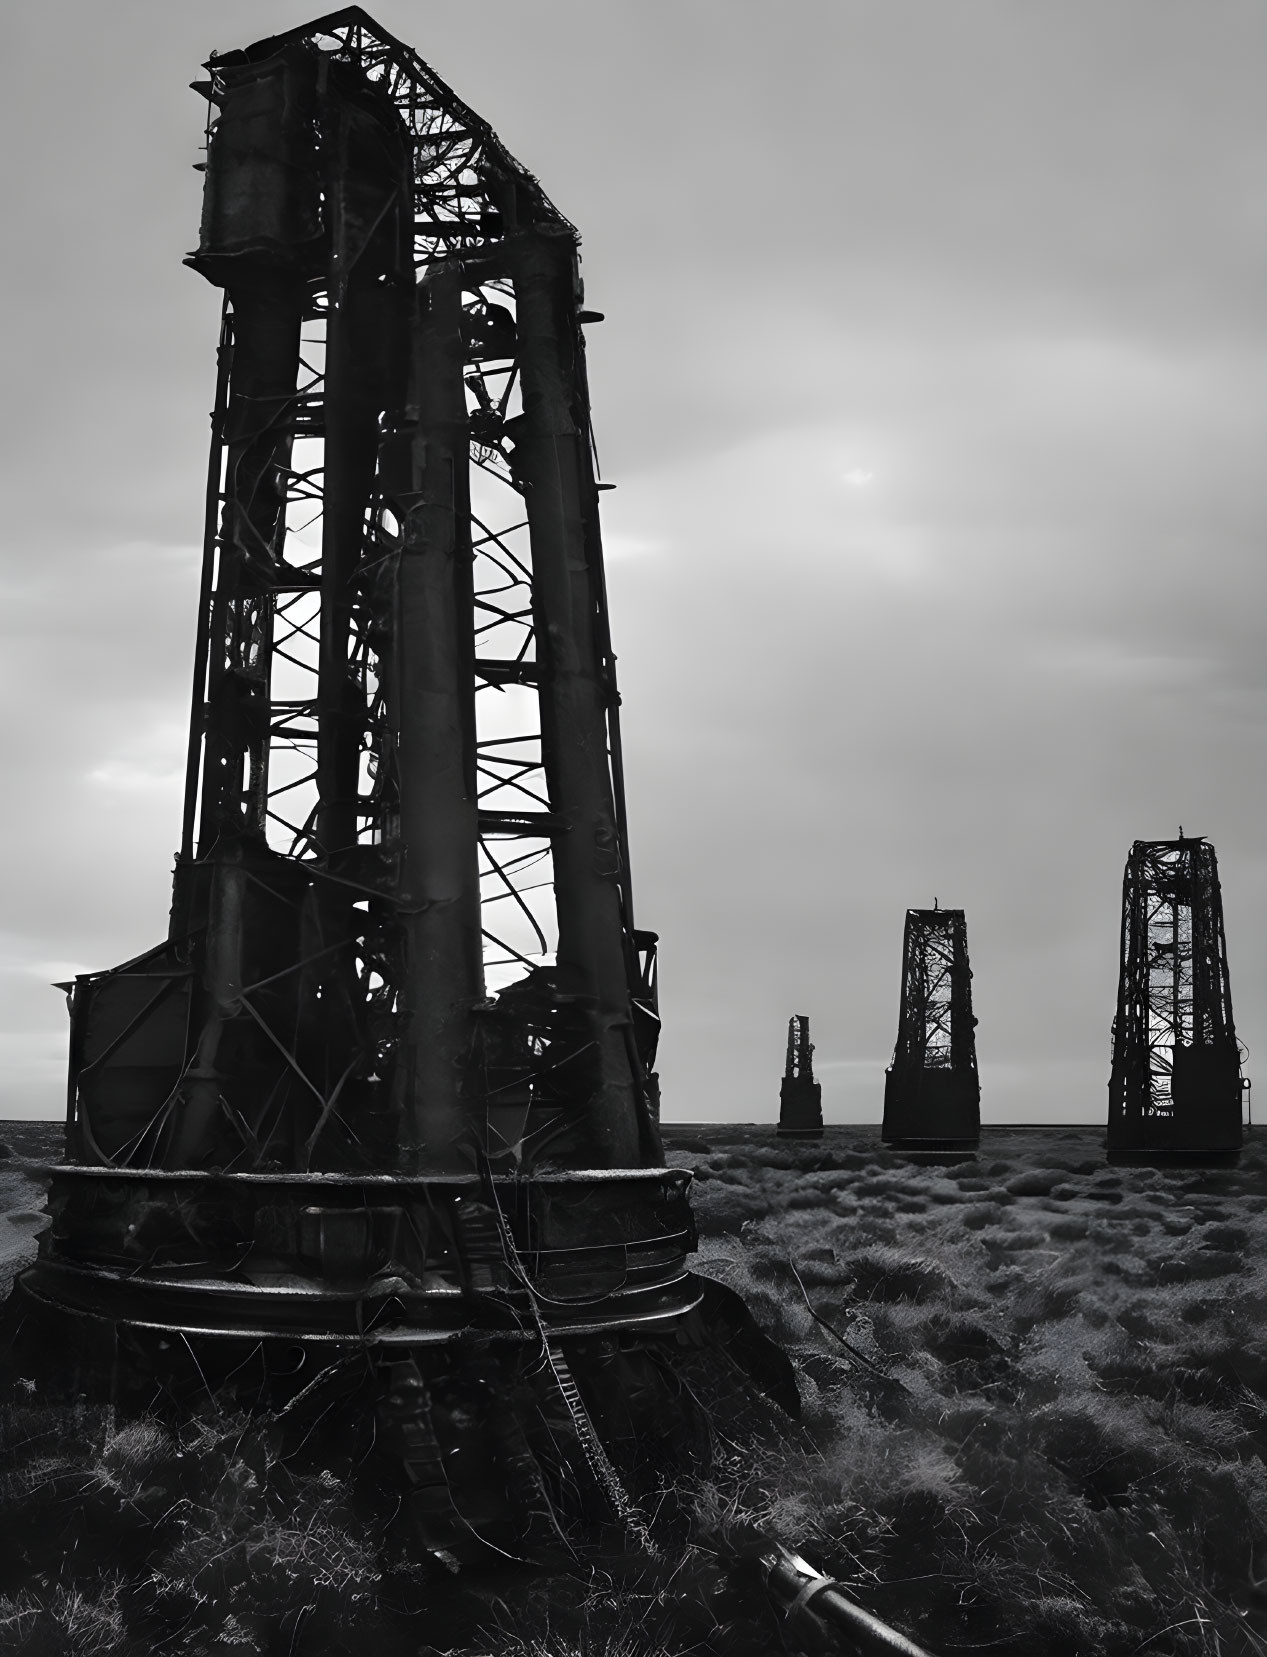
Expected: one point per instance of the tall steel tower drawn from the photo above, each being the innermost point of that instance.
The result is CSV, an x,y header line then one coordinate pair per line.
x,y
387,1089
1175,1083
931,1089
800,1096
402,931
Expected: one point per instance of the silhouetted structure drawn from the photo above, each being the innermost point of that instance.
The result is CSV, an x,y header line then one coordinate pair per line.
x,y
931,1090
1175,1083
800,1096
376,1097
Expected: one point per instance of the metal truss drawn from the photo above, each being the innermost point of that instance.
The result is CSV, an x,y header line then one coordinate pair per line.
x,y
1175,1079
403,903
931,1088
382,1104
800,1096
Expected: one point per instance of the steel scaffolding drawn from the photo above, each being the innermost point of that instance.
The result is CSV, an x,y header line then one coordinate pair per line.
x,y
1175,1082
402,929
800,1096
931,1089
384,1096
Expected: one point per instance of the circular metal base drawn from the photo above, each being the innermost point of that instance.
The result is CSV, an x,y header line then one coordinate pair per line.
x,y
367,1259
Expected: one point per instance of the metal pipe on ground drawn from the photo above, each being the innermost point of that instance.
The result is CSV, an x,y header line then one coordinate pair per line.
x,y
820,1615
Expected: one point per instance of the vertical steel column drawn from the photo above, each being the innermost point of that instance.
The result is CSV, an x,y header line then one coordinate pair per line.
x,y
193,1124
553,463
963,1026
433,718
202,643
1128,1078
267,312
353,402
331,1005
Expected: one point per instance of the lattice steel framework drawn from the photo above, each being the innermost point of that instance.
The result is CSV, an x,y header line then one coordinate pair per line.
x,y
382,1104
800,1096
405,736
931,1088
1175,1079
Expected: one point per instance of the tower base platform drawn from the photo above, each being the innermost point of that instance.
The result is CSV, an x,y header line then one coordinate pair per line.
x,y
516,1360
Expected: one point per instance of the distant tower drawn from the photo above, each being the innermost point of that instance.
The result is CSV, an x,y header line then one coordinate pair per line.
x,y
931,1090
1175,1083
800,1097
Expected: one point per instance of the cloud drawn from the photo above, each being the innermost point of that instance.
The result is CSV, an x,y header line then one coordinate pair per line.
x,y
981,682
931,383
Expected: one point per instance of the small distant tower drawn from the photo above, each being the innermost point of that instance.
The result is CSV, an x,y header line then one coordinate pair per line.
x,y
931,1090
800,1097
1175,1085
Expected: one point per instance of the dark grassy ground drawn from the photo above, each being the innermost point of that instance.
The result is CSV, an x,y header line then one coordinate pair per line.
x,y
1068,1452
1037,1424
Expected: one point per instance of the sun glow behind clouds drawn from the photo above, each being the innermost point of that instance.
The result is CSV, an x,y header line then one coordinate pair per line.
x,y
846,501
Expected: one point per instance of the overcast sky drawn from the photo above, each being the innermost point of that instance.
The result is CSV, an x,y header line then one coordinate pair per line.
x,y
932,382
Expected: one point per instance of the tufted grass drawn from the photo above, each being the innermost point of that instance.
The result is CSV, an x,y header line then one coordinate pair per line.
x,y
1047,1434
1065,1451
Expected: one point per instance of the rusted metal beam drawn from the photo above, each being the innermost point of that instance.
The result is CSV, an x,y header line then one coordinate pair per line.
x,y
264,356
211,520
552,461
433,714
